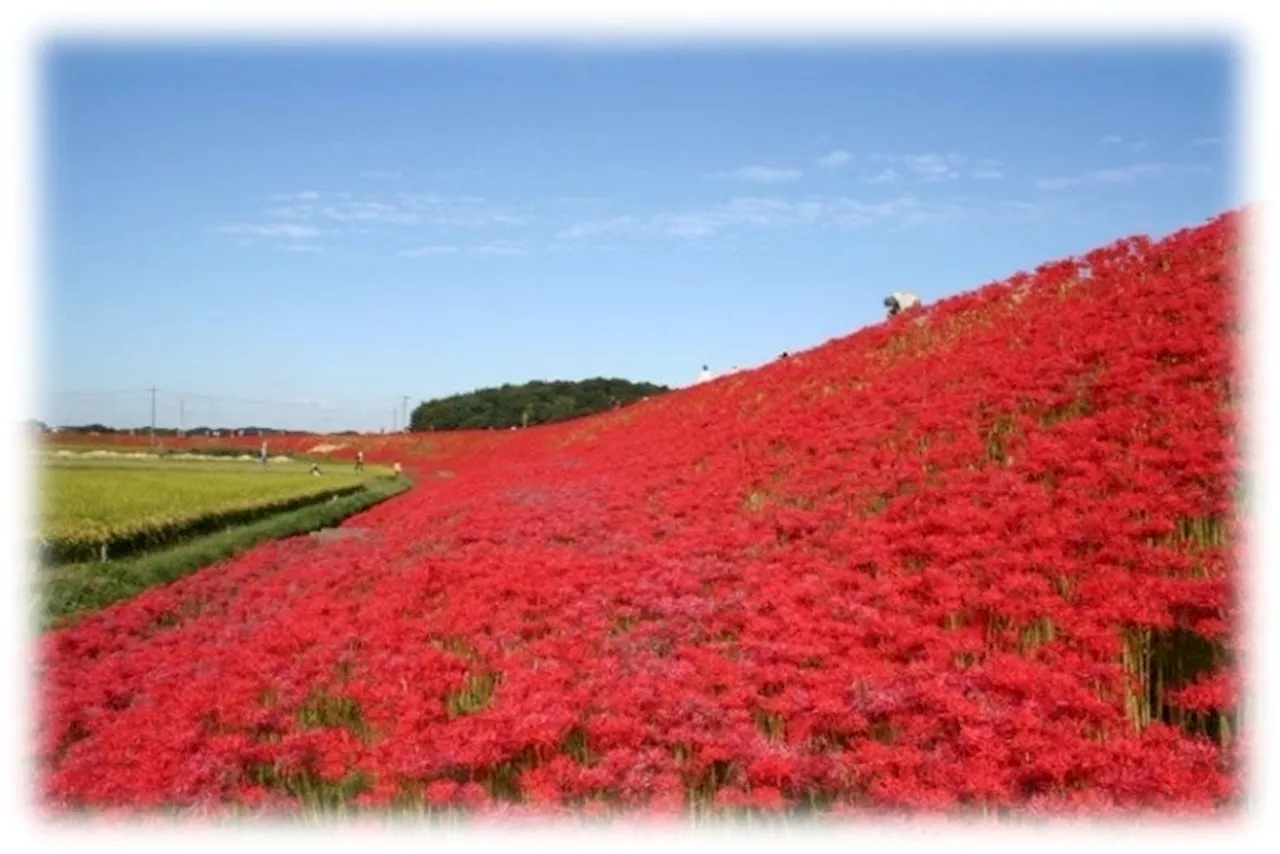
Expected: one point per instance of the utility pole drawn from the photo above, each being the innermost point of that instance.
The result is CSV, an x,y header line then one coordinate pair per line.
x,y
404,413
153,415
181,405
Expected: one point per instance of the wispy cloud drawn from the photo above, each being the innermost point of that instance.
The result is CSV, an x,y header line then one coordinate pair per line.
x,y
1208,140
575,201
1057,182
987,170
760,174
601,227
425,251
776,213
269,229
934,167
501,247
294,218
835,159
929,167
304,196
1123,175
379,175
1112,140
702,222
1139,171
397,209
497,248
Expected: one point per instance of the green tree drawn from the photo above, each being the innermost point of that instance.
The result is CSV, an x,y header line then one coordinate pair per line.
x,y
535,402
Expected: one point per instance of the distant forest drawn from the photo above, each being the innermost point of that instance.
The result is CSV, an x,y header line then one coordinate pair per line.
x,y
536,402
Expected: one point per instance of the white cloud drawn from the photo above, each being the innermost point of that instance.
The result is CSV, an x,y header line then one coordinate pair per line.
x,y
600,227
760,174
1124,175
934,167
987,170
900,213
270,229
1134,145
1057,182
775,213
703,222
1024,210
304,196
424,251
398,209
501,247
929,167
369,211
496,248
575,201
836,158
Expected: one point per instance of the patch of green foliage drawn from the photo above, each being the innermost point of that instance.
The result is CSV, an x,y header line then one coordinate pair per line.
x,y
533,403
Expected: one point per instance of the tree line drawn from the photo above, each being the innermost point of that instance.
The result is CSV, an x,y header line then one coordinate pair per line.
x,y
38,426
536,402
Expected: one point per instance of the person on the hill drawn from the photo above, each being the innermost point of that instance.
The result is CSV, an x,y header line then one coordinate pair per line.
x,y
396,469
899,301
264,453
704,375
359,460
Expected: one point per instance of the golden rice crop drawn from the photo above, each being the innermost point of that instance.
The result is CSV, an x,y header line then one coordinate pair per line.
x,y
85,505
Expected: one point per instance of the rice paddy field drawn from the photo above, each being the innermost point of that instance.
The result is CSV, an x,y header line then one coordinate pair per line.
x,y
88,503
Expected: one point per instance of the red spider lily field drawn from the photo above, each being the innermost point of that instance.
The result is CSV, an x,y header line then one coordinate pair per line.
x,y
980,559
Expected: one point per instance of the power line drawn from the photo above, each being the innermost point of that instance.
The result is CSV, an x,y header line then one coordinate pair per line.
x,y
156,407
95,394
337,404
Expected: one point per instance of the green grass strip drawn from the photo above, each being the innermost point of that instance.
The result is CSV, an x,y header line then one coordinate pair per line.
x,y
66,593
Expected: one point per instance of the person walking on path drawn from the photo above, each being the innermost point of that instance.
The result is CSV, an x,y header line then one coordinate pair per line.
x,y
359,460
264,453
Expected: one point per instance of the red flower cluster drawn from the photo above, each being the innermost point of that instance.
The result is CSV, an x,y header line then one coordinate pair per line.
x,y
977,558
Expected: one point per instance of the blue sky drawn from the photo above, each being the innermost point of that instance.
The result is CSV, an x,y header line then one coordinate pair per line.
x,y
300,237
